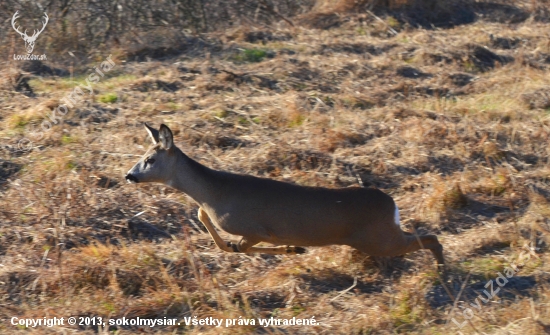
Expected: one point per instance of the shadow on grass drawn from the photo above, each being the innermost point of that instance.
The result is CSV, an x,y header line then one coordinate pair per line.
x,y
192,47
329,280
7,170
430,14
267,300
480,290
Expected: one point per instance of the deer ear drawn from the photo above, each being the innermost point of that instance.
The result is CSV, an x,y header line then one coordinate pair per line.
x,y
166,138
153,133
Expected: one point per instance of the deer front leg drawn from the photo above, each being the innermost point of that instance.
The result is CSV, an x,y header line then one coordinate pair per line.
x,y
203,217
282,250
245,244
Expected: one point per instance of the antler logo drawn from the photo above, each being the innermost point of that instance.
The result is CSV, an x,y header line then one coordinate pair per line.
x,y
29,40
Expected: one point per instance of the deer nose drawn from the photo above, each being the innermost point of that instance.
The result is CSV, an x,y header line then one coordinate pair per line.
x,y
131,178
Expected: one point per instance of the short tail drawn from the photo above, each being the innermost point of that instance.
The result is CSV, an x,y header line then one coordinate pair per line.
x,y
396,215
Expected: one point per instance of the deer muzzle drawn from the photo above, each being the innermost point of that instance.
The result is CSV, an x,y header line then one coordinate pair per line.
x,y
131,178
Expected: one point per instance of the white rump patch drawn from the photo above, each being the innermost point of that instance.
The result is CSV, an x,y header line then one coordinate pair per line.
x,y
396,215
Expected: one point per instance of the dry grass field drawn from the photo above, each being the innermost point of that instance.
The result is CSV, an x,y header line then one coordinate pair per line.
x,y
452,122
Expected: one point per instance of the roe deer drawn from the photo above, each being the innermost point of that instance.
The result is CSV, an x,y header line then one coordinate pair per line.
x,y
265,210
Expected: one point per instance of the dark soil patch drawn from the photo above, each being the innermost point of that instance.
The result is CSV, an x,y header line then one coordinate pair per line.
x,y
21,85
8,169
267,300
411,72
484,59
14,283
538,61
154,53
192,47
95,114
38,68
265,36
353,48
541,13
286,51
148,85
322,20
495,12
460,79
406,90
253,79
304,73
185,69
129,282
505,43
433,58
427,14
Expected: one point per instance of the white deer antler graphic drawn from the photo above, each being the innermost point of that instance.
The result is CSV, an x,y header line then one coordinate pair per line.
x,y
29,40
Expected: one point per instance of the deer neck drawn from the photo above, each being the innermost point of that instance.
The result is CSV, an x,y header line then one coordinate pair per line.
x,y
195,180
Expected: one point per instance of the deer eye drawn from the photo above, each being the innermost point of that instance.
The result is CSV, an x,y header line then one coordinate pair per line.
x,y
149,161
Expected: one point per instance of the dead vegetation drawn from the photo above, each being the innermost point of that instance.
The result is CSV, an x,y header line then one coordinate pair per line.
x,y
454,123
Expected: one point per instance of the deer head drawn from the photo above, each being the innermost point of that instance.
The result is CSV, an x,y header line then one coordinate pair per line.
x,y
160,161
29,40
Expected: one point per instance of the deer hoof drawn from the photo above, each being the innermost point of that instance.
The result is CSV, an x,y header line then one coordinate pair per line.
x,y
299,250
233,246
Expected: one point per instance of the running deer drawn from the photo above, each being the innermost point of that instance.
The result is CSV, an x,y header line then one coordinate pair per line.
x,y
284,214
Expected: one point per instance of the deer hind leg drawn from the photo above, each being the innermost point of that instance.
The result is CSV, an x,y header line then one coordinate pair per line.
x,y
245,244
413,243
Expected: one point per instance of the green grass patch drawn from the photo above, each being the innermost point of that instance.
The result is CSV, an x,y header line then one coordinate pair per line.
x,y
109,307
406,312
18,121
296,120
361,31
71,165
108,98
470,67
68,139
221,113
250,55
393,22
243,121
172,106
297,309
